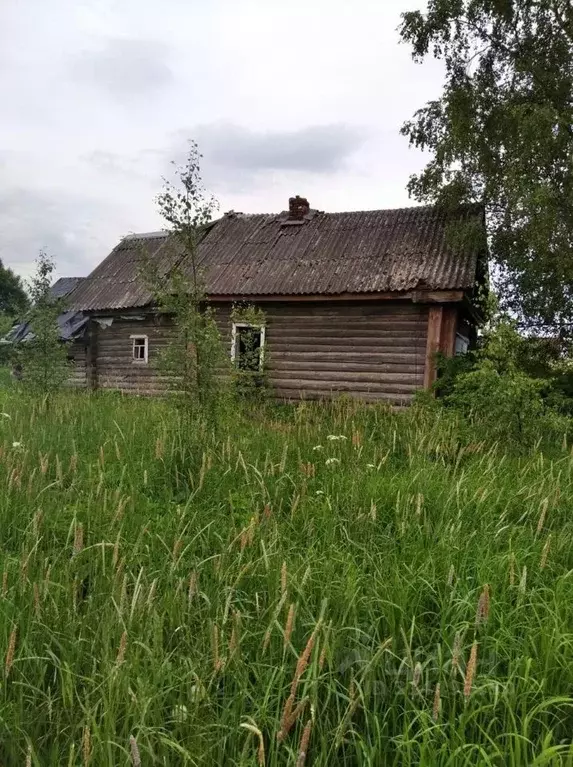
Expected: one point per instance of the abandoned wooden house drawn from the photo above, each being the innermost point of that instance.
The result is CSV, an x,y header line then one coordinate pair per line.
x,y
72,326
355,303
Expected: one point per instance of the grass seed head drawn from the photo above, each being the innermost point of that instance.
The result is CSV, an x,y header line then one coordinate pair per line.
x,y
303,746
482,612
10,651
437,703
177,546
135,757
470,671
261,749
523,580
286,717
289,625
78,539
451,576
122,648
86,746
542,515
304,659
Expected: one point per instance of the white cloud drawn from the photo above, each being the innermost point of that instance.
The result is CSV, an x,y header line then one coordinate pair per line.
x,y
283,97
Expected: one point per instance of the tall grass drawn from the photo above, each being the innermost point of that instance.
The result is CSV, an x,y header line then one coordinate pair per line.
x,y
329,585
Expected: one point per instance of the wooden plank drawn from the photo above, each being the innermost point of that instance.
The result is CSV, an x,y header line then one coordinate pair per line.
x,y
344,385
433,344
429,296
396,369
448,331
352,355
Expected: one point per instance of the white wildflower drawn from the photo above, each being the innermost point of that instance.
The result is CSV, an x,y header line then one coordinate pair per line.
x,y
330,461
370,466
320,492
318,447
16,444
335,437
180,713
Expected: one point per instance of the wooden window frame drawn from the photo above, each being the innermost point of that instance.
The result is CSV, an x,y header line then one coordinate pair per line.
x,y
137,337
261,328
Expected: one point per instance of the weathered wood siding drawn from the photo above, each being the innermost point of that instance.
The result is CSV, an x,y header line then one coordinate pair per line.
x,y
77,378
372,350
114,364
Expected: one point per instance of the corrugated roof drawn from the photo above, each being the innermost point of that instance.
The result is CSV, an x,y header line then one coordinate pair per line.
x,y
326,254
64,286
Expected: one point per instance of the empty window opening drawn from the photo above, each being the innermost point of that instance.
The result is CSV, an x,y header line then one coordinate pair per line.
x,y
140,348
247,348
462,344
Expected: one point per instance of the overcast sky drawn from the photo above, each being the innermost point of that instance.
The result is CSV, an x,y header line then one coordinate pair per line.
x,y
98,96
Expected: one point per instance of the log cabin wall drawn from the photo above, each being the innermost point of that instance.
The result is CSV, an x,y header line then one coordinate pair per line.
x,y
77,359
115,367
374,350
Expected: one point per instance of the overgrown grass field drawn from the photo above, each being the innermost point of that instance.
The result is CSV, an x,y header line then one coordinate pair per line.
x,y
329,585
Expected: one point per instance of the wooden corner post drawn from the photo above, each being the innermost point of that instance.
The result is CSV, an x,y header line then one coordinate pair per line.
x,y
435,314
442,322
91,355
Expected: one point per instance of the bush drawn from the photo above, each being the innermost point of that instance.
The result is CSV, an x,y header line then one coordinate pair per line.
x,y
506,406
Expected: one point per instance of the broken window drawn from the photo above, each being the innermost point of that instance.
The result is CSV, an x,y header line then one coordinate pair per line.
x,y
247,347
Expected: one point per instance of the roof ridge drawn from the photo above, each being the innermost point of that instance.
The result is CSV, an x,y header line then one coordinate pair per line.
x,y
146,235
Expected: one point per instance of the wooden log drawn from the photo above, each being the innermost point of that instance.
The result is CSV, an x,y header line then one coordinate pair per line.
x,y
448,331
433,344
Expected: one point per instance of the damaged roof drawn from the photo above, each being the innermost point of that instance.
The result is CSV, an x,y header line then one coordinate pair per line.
x,y
71,324
64,286
321,254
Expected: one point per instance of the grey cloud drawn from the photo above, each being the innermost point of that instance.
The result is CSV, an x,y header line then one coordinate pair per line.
x,y
316,149
126,68
66,226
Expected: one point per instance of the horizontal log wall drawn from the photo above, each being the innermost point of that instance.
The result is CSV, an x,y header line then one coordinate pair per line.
x,y
372,350
77,377
115,367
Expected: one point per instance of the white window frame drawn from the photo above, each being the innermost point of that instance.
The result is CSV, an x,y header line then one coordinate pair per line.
x,y
262,329
136,337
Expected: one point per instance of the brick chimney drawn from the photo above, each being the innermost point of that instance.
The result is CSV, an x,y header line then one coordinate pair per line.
x,y
298,208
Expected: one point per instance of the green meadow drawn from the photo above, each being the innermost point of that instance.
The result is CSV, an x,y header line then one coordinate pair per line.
x,y
316,584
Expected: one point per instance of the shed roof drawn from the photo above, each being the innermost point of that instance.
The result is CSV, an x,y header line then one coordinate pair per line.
x,y
324,254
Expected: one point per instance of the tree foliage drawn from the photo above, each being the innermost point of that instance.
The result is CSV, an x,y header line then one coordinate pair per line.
x,y
501,133
42,356
193,358
13,297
